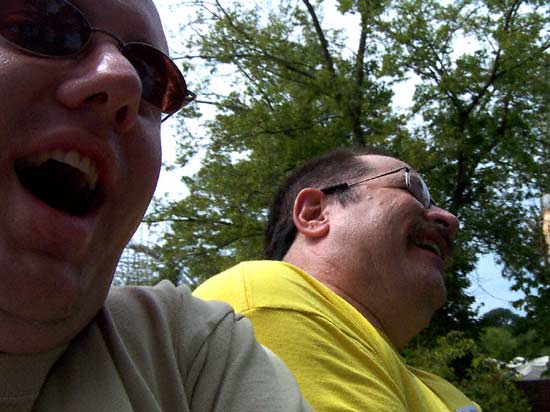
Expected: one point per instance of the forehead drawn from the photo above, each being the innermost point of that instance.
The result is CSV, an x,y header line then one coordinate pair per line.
x,y
132,20
381,164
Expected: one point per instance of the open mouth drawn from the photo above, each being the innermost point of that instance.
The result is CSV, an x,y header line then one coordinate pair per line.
x,y
65,181
432,247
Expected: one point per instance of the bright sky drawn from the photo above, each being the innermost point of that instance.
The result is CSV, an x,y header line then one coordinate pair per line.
x,y
488,287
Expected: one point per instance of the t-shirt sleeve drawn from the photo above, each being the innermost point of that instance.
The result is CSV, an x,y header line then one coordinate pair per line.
x,y
335,372
232,372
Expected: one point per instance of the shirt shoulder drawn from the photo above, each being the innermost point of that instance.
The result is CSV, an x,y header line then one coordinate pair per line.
x,y
247,285
159,348
266,284
142,315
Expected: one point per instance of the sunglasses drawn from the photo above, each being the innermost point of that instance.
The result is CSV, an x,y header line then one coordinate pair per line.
x,y
413,181
58,29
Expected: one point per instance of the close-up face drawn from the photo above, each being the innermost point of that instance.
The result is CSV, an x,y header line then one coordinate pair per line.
x,y
395,249
79,160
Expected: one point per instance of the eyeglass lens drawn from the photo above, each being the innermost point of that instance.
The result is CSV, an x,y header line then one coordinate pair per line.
x,y
160,85
56,28
52,28
419,189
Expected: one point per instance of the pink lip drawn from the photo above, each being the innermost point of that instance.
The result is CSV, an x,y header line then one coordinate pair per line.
x,y
431,236
442,244
96,148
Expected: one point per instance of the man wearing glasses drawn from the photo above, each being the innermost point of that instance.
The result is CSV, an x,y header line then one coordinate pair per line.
x,y
84,85
358,249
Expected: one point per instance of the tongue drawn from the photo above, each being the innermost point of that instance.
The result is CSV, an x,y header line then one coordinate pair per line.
x,y
59,185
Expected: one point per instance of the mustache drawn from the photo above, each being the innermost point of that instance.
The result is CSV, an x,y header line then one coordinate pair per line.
x,y
421,229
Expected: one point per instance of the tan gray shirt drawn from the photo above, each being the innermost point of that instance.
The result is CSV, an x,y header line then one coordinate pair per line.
x,y
152,350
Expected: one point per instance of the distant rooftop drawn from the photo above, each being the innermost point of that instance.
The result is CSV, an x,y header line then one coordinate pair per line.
x,y
529,369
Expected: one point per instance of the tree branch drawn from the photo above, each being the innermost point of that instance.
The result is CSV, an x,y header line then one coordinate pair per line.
x,y
359,74
329,64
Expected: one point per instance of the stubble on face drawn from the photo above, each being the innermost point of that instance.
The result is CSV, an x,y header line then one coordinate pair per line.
x,y
382,266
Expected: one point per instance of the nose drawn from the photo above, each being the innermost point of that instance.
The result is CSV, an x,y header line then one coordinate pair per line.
x,y
444,218
103,81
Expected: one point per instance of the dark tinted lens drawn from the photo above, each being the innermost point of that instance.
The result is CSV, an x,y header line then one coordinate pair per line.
x,y
162,83
45,27
420,190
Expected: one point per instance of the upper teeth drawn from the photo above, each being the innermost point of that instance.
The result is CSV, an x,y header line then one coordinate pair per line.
x,y
433,246
72,158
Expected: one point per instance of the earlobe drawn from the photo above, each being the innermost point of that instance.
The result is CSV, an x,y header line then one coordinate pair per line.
x,y
309,213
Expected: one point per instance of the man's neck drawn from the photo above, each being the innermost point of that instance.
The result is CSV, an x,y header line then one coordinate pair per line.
x,y
327,275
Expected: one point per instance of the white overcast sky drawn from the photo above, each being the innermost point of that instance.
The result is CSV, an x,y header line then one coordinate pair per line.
x,y
488,287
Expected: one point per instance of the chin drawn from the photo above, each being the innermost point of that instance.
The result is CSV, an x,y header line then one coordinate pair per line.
x,y
433,298
42,322
439,301
28,336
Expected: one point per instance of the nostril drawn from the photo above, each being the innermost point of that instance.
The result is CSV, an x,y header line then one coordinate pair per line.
x,y
121,114
443,223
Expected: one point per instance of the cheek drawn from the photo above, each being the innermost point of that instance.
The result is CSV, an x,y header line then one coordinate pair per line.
x,y
13,94
27,90
142,156
144,159
23,76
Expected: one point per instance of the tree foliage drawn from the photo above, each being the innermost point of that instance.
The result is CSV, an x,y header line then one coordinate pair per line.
x,y
500,318
458,359
292,96
485,121
499,343
296,87
505,335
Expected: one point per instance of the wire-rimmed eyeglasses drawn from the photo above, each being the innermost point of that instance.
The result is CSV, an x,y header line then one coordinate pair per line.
x,y
413,181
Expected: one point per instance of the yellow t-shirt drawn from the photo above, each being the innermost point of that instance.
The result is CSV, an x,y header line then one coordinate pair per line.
x,y
341,362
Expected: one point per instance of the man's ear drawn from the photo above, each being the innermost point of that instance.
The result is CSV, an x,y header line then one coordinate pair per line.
x,y
309,213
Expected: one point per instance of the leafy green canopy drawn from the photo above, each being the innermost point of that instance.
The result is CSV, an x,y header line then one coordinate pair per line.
x,y
458,359
478,129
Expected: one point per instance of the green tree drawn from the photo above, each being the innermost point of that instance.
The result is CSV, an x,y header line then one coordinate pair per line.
x,y
485,124
499,343
478,128
458,359
505,335
500,318
293,95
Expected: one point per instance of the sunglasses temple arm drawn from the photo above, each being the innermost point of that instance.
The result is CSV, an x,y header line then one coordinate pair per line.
x,y
335,189
167,117
189,98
